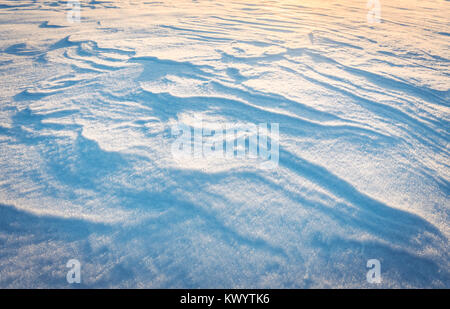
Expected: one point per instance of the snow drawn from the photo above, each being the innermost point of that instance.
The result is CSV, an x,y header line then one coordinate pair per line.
x,y
87,172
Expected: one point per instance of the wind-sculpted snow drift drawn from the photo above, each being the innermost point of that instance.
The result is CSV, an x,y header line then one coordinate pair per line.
x,y
87,171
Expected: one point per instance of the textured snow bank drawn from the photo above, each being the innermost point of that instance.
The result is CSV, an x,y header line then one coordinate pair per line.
x,y
85,143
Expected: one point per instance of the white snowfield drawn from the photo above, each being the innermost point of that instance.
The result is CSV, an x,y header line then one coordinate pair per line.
x,y
88,100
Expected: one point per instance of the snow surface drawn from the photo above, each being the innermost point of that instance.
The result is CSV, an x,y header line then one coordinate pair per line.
x,y
86,110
